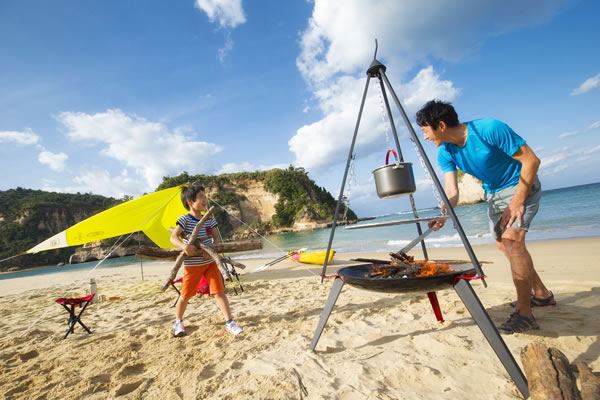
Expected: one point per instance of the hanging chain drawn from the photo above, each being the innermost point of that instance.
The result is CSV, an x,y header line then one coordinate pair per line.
x,y
429,178
352,182
384,117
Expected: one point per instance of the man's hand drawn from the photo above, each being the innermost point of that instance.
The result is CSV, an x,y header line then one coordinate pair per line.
x,y
514,212
437,224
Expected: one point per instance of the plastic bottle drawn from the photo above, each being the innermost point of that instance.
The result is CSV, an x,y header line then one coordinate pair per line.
x,y
93,287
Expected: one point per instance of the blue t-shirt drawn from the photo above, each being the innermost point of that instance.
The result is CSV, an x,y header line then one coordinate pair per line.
x,y
487,154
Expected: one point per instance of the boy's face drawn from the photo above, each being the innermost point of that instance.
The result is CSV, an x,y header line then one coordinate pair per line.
x,y
199,203
434,135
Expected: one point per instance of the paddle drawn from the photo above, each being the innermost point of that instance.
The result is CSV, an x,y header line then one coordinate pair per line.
x,y
277,260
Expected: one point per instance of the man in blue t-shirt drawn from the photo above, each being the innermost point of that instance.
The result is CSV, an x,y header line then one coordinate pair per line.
x,y
507,167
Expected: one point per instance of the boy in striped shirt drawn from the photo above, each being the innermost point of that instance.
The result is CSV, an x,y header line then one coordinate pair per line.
x,y
197,262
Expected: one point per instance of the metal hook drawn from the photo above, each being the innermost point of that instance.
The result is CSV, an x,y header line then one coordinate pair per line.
x,y
376,46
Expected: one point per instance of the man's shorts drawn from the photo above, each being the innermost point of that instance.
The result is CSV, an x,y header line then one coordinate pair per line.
x,y
497,203
192,276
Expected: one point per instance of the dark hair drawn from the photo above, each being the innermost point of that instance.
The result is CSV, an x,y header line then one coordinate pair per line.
x,y
189,193
435,111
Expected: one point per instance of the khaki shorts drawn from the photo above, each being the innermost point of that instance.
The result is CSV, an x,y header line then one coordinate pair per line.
x,y
497,203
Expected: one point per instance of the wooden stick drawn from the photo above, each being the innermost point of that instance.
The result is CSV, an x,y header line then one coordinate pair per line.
x,y
221,247
589,382
548,373
181,255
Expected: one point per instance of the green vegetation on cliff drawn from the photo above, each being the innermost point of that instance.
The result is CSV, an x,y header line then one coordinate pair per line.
x,y
298,195
28,217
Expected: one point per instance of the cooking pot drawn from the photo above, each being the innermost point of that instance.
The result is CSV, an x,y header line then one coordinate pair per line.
x,y
394,180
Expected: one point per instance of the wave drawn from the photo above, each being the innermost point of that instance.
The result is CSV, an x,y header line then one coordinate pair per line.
x,y
392,214
446,240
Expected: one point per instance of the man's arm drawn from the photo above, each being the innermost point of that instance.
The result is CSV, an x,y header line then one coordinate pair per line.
x,y
530,164
451,190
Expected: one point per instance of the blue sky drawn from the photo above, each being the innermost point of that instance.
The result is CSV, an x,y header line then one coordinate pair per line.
x,y
108,97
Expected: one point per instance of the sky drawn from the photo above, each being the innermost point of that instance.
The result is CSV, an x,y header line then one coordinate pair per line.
x,y
108,97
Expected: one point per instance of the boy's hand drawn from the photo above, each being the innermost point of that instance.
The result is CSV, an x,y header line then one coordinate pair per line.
x,y
190,250
193,251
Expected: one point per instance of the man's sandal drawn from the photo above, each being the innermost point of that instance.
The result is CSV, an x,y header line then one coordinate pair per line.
x,y
543,302
518,323
539,302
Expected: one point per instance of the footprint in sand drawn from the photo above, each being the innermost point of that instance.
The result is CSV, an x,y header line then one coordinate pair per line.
x,y
29,355
135,369
135,346
127,388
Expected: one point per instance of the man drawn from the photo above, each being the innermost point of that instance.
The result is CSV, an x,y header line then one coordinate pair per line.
x,y
492,152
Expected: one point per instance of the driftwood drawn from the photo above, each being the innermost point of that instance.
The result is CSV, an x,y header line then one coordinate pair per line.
x,y
589,383
548,373
181,255
221,247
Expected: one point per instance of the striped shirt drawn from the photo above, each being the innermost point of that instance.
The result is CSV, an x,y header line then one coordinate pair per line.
x,y
188,222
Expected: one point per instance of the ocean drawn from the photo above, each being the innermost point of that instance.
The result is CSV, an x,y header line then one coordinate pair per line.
x,y
564,213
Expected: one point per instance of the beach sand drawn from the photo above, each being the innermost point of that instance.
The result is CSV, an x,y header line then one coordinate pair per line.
x,y
375,346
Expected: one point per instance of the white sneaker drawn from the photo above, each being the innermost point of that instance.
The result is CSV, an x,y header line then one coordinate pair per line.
x,y
233,328
178,329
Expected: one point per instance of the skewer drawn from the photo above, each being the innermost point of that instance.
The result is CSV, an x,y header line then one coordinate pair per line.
x,y
397,222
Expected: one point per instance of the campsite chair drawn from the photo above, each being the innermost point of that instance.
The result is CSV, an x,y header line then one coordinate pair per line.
x,y
200,290
69,304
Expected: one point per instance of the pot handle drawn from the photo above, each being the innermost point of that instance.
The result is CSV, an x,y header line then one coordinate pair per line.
x,y
387,156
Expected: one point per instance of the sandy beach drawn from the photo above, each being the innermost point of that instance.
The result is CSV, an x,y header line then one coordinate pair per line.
x,y
376,346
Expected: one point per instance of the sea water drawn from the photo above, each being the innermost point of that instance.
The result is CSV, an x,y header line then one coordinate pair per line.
x,y
564,213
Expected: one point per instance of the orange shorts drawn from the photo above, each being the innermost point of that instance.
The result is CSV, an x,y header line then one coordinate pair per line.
x,y
193,275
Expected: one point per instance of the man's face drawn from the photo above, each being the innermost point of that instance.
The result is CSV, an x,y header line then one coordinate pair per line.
x,y
433,135
199,203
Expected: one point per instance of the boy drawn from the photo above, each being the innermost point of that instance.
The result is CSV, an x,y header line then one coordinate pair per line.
x,y
491,151
198,263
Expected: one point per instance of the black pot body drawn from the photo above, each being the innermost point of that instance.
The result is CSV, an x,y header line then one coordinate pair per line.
x,y
394,180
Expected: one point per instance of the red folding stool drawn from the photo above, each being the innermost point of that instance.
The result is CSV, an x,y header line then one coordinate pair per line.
x,y
69,304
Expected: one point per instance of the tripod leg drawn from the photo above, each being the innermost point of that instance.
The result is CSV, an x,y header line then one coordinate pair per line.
x,y
336,288
339,201
482,319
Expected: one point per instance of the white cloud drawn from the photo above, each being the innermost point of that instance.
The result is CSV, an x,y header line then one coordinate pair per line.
x,y
338,43
28,137
223,52
590,150
566,134
587,85
327,141
151,149
229,168
228,13
56,161
566,157
339,37
595,125
100,181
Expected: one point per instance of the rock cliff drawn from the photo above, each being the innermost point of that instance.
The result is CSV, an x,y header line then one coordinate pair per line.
x,y
470,190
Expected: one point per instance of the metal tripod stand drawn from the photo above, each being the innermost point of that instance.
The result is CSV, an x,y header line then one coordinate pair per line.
x,y
462,286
